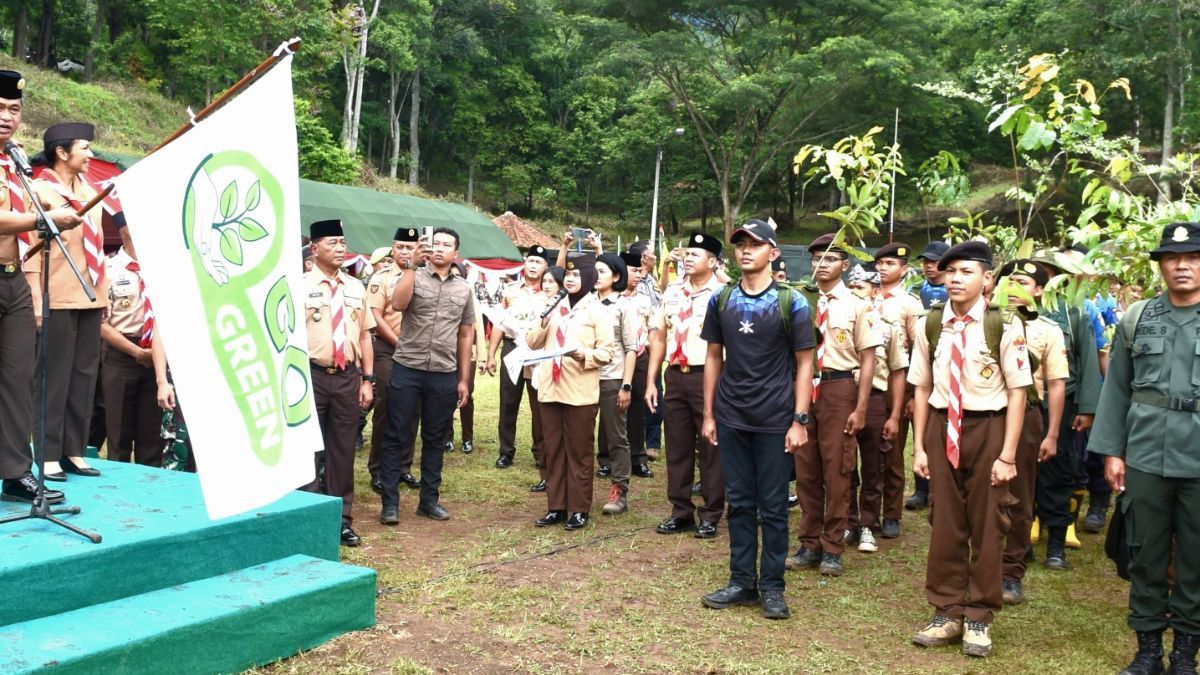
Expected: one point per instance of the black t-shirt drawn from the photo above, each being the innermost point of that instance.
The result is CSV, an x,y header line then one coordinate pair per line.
x,y
756,390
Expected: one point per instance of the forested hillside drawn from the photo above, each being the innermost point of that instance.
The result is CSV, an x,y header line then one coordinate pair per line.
x,y
555,108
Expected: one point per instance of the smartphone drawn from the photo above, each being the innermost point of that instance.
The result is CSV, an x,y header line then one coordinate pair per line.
x,y
580,234
427,235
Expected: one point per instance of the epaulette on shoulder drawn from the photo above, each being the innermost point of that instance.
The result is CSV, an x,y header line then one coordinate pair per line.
x,y
1155,307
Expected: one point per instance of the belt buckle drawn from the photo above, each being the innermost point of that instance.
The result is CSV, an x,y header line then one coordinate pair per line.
x,y
10,268
683,368
331,370
1184,404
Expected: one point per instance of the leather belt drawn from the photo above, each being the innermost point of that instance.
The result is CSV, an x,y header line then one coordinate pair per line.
x,y
974,414
1168,402
10,268
687,369
351,368
831,375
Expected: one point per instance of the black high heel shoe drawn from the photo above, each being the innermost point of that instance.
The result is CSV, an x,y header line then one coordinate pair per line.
x,y
70,467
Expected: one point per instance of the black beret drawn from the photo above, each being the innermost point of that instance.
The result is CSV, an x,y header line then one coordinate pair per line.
x,y
1178,238
825,243
581,261
306,252
701,240
12,85
935,250
620,272
325,228
69,131
968,250
632,259
779,265
538,251
409,234
1026,267
894,250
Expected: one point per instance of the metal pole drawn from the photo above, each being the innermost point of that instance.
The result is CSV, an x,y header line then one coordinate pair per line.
x,y
892,207
654,206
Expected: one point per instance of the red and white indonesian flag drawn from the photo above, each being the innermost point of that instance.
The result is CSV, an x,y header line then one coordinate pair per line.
x,y
215,216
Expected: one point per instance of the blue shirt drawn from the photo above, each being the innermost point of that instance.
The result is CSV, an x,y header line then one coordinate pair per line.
x,y
931,294
756,391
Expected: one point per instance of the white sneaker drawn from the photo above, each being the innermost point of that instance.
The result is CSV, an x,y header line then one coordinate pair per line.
x,y
866,541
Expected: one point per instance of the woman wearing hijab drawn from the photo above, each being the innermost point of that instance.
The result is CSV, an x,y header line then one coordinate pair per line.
x,y
569,392
74,322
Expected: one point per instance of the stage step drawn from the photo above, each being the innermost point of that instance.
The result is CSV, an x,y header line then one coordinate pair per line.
x,y
156,535
226,623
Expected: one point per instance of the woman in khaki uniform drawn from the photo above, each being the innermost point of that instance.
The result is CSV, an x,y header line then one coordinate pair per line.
x,y
569,392
73,349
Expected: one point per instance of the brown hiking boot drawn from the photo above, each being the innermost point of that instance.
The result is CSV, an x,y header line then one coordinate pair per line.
x,y
941,631
616,501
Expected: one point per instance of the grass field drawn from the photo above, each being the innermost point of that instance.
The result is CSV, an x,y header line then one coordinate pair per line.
x,y
486,592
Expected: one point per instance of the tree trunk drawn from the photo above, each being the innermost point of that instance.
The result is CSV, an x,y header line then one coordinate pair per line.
x,y
349,71
471,179
414,118
21,34
393,121
46,34
89,61
1168,136
704,214
727,212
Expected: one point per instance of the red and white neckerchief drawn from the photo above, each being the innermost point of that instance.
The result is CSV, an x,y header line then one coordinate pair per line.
x,y
954,408
679,358
560,336
147,311
822,315
93,239
337,321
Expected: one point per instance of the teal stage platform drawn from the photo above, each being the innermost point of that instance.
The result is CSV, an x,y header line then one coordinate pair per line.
x,y
168,590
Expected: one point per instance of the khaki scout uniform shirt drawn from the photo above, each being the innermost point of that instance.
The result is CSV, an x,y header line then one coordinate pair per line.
x,y
666,318
379,296
903,309
1162,361
621,318
588,326
1045,340
65,291
985,383
124,296
317,313
639,310
889,356
429,334
522,308
850,327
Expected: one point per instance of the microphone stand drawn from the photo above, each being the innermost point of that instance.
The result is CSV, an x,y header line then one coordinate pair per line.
x,y
46,231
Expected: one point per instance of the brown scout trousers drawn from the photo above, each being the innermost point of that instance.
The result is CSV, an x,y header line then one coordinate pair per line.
x,y
131,414
683,416
336,396
824,466
969,517
866,487
73,366
896,469
569,432
1021,488
17,337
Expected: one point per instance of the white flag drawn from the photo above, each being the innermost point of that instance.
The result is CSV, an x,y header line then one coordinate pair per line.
x,y
215,217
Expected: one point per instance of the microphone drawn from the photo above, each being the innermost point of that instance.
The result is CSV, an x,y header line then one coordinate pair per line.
x,y
562,293
18,158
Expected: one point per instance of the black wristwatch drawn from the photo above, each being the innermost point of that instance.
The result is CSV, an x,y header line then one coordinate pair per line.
x,y
626,387
369,378
801,418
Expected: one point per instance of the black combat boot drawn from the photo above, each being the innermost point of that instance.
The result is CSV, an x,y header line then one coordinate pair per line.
x,y
1097,513
1183,654
1056,548
1148,660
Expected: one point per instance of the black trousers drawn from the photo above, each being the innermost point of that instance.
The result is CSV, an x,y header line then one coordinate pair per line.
x,y
635,417
1059,477
510,409
755,468
336,397
132,415
432,398
73,364
17,336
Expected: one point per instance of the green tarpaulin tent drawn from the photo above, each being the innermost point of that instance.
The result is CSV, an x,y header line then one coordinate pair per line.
x,y
371,217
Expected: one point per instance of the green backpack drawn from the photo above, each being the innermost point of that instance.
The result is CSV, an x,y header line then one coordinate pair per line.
x,y
993,330
785,291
